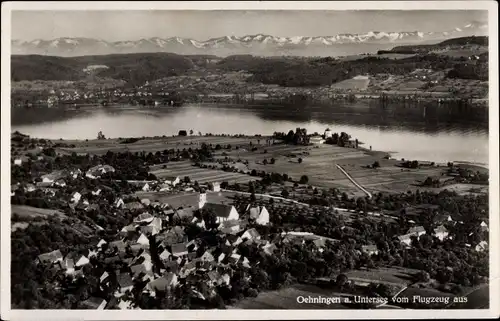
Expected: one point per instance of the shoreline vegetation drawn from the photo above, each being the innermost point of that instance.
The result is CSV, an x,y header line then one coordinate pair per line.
x,y
117,221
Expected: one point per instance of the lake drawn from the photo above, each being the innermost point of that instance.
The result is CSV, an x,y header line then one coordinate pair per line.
x,y
417,132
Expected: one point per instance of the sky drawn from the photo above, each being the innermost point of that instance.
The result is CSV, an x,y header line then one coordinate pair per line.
x,y
203,25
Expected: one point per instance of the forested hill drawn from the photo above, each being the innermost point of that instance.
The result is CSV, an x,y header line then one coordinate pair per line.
x,y
129,67
452,56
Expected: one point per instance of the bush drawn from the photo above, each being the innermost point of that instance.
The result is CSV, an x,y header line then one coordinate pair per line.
x,y
304,179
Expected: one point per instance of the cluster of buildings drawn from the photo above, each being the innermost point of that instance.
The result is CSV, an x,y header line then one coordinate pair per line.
x,y
155,232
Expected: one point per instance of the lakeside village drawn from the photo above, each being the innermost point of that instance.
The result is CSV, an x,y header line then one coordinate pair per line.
x,y
102,232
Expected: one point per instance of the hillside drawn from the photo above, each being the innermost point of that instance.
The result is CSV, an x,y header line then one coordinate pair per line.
x,y
454,43
452,57
133,68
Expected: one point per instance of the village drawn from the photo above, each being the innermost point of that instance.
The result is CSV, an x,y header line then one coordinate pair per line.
x,y
205,238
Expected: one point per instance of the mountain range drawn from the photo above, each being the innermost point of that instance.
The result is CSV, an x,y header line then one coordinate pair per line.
x,y
261,44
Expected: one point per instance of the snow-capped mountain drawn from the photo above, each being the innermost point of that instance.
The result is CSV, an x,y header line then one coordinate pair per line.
x,y
259,44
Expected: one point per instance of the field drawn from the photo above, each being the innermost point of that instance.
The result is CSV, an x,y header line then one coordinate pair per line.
x,y
201,175
318,162
387,275
27,212
356,83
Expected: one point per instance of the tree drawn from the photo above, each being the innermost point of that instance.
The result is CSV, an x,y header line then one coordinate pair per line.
x,y
376,164
304,179
342,280
300,160
285,193
187,180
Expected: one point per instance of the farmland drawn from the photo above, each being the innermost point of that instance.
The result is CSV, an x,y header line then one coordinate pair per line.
x,y
29,212
245,154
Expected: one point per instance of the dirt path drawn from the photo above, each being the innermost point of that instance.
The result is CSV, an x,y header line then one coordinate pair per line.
x,y
354,182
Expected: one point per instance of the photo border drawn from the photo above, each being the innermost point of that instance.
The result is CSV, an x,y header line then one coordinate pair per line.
x,y
493,311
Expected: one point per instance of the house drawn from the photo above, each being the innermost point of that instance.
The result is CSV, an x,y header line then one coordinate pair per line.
x,y
162,284
215,187
417,231
125,283
51,257
207,257
146,187
99,170
260,215
223,212
369,249
18,161
68,265
54,176
142,240
406,239
269,248
94,303
230,227
125,305
76,197
234,258
251,234
101,243
81,261
328,133
119,203
149,230
60,182
172,180
128,229
484,226
140,270
144,218
164,255
156,223
482,246
179,249
441,232
316,140
104,277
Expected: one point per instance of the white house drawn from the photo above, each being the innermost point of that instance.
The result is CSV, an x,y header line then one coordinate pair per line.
x,y
173,180
441,232
76,197
18,161
316,140
223,212
260,215
97,192
146,187
417,231
484,226
482,246
101,243
328,133
143,240
216,187
119,203
251,234
81,261
369,249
